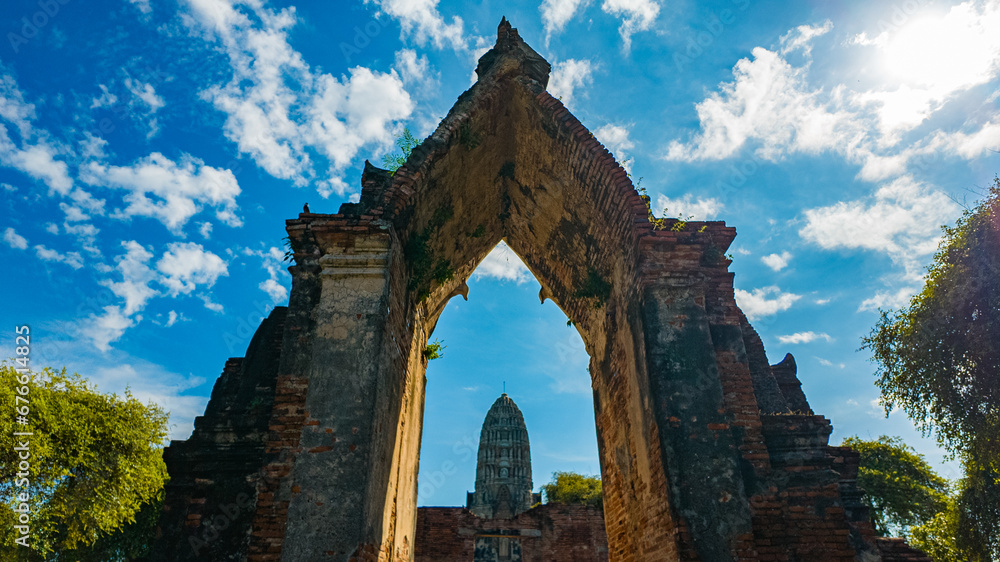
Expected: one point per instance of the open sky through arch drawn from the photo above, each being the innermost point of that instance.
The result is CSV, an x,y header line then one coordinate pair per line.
x,y
150,152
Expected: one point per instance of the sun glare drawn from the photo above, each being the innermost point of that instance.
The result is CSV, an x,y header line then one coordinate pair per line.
x,y
942,53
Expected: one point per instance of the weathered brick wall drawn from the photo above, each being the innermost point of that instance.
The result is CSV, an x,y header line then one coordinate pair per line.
x,y
211,495
546,533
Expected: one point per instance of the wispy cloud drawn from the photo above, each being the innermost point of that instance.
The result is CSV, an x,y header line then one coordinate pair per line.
x,y
804,337
503,264
764,301
567,77
777,262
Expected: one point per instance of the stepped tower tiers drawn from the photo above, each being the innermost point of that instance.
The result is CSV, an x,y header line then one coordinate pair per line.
x,y
503,473
309,447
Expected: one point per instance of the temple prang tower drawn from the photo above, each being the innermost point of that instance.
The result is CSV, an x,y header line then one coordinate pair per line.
x,y
309,447
503,470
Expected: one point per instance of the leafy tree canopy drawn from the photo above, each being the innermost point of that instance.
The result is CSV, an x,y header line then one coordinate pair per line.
x,y
570,487
939,358
95,460
901,489
966,531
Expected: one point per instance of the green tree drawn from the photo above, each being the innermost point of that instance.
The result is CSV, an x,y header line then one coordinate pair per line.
x,y
95,466
978,511
936,536
966,531
570,487
406,143
901,489
939,357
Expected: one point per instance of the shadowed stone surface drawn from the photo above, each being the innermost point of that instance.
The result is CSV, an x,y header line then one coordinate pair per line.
x,y
707,452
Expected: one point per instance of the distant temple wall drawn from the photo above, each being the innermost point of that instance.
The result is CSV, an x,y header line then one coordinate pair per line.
x,y
546,533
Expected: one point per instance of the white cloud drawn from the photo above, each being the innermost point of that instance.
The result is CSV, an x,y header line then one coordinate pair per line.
x,y
636,15
804,337
421,20
136,277
567,76
615,138
106,99
770,102
802,36
13,108
688,206
886,300
104,329
273,261
211,305
143,6
33,154
902,218
72,259
144,99
282,113
169,191
557,13
275,290
14,239
412,68
777,262
765,301
185,265
925,64
144,93
344,116
503,264
172,318
828,363
37,160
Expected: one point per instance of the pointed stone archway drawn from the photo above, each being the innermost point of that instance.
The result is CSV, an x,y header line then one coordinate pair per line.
x,y
707,451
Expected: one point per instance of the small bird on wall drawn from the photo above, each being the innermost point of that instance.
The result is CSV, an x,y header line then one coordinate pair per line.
x,y
305,208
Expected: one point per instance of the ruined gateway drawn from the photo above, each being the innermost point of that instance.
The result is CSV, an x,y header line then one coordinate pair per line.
x,y
308,449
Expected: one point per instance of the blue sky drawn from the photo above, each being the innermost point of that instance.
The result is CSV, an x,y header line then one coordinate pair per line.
x,y
151,151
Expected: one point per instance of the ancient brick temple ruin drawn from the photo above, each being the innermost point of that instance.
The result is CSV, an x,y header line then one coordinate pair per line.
x,y
503,520
309,447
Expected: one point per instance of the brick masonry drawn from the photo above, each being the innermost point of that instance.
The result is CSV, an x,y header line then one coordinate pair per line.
x,y
546,533
707,451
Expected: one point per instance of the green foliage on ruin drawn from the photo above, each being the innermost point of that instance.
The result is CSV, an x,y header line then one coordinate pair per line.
x,y
424,267
96,468
594,287
573,488
662,222
506,171
434,350
467,137
478,232
406,142
901,489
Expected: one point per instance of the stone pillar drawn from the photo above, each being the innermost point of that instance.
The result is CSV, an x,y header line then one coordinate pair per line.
x,y
700,456
335,478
